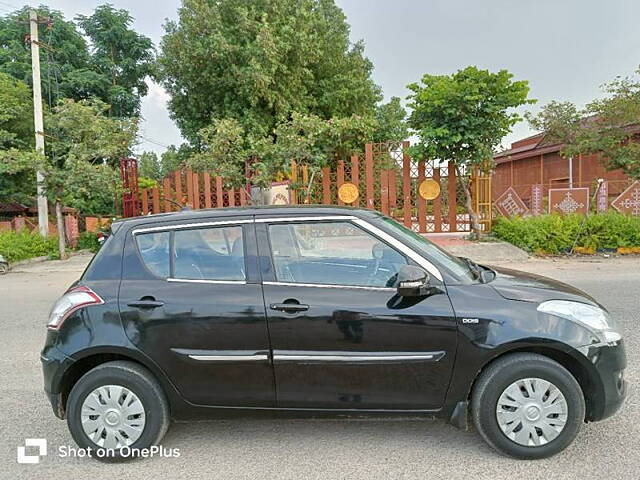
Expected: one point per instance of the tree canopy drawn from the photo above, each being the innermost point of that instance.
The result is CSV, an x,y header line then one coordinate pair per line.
x,y
606,126
112,68
259,61
120,54
463,117
83,147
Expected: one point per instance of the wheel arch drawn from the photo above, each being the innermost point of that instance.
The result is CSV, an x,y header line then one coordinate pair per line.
x,y
577,367
88,359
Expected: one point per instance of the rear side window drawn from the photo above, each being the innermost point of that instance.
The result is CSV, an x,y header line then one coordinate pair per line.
x,y
215,253
154,248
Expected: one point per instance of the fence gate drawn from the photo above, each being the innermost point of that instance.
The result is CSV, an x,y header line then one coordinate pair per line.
x,y
130,197
423,195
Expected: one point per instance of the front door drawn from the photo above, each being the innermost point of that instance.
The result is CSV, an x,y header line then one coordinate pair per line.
x,y
341,336
191,300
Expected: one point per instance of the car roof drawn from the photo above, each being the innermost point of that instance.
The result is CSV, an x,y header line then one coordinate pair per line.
x,y
277,210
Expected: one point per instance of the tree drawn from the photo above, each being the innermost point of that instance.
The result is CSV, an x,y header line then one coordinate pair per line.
x,y
606,126
65,66
462,118
257,62
173,158
391,125
149,166
114,71
16,133
120,54
223,152
78,168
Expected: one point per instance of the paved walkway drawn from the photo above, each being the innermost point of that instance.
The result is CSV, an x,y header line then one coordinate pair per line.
x,y
481,252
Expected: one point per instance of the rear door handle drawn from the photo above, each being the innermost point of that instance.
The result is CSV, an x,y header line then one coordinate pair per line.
x,y
289,307
145,304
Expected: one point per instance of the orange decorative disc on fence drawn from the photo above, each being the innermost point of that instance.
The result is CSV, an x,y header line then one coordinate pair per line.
x,y
348,192
568,200
629,200
429,189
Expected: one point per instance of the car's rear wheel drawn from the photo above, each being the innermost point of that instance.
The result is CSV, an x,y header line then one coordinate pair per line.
x,y
116,409
527,406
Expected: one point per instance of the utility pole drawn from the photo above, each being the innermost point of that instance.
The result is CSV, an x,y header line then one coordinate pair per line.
x,y
43,213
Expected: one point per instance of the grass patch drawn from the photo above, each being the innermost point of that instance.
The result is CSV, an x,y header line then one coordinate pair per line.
x,y
16,246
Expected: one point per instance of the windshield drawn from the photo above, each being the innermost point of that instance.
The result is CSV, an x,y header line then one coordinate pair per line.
x,y
454,265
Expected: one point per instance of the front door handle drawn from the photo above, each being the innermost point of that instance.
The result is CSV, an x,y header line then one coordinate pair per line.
x,y
145,304
289,307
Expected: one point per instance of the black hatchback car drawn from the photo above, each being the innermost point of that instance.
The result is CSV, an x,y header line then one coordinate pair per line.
x,y
320,310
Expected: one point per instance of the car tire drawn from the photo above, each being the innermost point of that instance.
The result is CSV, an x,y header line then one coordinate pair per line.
x,y
514,388
138,391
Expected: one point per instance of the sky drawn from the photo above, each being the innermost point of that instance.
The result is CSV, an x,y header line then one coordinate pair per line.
x,y
566,49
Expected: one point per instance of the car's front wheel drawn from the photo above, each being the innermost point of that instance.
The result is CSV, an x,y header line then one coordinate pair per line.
x,y
527,406
117,409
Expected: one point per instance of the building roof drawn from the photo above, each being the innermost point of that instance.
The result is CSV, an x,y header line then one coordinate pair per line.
x,y
12,208
526,148
537,144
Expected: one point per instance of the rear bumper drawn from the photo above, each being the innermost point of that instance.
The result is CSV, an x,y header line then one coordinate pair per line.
x,y
54,364
610,386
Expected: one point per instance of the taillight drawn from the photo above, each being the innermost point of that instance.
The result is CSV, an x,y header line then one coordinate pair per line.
x,y
71,301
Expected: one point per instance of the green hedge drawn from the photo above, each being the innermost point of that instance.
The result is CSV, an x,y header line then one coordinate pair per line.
x,y
88,241
556,234
20,246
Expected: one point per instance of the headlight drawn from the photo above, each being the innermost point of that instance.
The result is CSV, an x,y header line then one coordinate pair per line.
x,y
594,318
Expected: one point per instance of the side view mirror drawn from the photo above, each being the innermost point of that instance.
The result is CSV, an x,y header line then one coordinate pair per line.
x,y
412,282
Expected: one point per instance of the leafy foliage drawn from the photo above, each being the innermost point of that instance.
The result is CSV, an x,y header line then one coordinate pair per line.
x,y
120,54
78,170
113,71
17,246
88,241
257,62
391,125
149,166
69,75
82,130
174,157
16,132
464,116
223,151
556,234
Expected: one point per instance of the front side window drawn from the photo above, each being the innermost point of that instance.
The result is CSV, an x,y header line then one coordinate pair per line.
x,y
332,253
215,253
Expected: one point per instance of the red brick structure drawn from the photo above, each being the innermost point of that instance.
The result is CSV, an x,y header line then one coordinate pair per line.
x,y
534,161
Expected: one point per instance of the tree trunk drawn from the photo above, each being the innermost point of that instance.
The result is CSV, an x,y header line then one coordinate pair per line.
x,y
61,237
473,216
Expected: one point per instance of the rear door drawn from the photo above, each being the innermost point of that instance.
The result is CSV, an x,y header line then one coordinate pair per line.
x,y
341,336
191,300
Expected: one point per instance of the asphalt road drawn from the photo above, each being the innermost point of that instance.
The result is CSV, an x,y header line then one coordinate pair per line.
x,y
297,449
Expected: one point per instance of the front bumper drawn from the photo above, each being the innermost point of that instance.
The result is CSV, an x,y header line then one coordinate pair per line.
x,y
54,365
609,387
